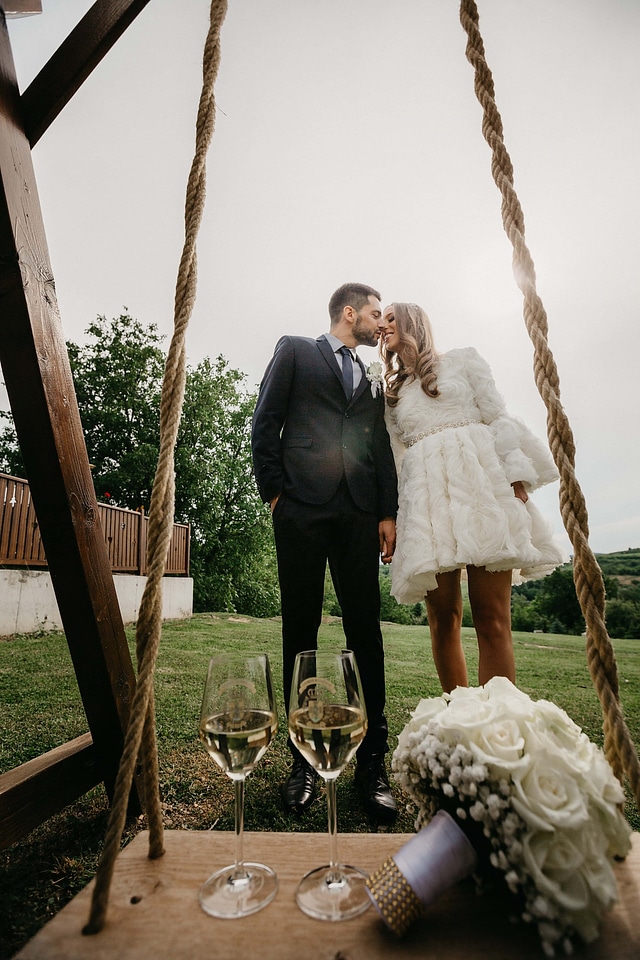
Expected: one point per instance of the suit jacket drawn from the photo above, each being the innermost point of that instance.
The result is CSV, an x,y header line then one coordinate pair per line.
x,y
307,436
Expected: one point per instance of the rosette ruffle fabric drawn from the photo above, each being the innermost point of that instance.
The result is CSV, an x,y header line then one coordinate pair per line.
x,y
541,796
456,503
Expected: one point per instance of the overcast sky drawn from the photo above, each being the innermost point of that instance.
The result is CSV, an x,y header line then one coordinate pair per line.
x,y
348,146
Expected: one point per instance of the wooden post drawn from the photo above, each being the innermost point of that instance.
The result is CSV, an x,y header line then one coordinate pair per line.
x,y
40,387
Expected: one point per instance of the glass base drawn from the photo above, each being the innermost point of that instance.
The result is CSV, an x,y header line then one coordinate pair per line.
x,y
337,894
229,896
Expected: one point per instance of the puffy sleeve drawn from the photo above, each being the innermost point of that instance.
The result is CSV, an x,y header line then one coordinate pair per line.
x,y
525,456
397,446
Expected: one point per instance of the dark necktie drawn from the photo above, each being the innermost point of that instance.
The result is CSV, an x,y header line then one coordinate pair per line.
x,y
347,371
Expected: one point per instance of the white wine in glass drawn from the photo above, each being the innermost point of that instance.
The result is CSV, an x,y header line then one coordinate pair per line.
x,y
327,724
238,721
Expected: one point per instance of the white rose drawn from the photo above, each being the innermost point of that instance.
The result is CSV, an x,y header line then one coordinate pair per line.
x,y
425,711
601,781
555,865
467,693
547,795
562,734
605,794
598,868
571,868
514,702
500,745
465,717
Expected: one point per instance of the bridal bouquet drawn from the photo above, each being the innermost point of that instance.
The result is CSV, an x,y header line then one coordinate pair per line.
x,y
540,798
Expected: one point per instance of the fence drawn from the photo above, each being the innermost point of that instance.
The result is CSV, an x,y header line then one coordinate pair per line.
x,y
125,533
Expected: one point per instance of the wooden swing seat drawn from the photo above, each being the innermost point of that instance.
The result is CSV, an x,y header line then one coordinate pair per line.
x,y
154,910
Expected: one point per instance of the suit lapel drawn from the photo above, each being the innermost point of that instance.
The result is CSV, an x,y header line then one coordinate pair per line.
x,y
326,350
364,383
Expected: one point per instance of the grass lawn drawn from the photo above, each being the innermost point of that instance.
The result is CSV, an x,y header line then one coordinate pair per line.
x,y
42,709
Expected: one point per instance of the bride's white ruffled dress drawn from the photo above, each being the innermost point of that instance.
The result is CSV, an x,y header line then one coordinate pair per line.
x,y
457,456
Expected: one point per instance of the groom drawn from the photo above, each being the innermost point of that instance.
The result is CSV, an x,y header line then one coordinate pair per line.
x,y
323,461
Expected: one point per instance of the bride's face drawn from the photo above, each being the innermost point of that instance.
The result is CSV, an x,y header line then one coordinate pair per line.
x,y
389,333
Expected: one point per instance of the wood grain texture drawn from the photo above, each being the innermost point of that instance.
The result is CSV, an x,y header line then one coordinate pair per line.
x,y
73,62
154,911
38,378
38,789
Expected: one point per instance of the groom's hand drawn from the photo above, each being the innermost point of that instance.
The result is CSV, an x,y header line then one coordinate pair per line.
x,y
387,535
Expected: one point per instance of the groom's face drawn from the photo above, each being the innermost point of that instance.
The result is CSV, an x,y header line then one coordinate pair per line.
x,y
368,323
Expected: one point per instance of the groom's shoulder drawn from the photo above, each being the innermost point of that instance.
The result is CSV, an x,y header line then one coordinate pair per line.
x,y
288,338
298,345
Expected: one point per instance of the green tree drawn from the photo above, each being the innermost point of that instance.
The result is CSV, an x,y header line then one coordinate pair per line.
x,y
623,619
557,602
118,379
524,614
117,375
233,557
330,605
390,609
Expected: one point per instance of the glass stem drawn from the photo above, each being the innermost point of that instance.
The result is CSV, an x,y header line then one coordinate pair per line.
x,y
334,875
239,873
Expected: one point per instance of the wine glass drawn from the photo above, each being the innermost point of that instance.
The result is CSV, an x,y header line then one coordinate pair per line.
x,y
238,721
327,723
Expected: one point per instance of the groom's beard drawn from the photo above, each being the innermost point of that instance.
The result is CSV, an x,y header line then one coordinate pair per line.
x,y
364,335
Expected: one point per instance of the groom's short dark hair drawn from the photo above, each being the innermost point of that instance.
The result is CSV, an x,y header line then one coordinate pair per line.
x,y
350,295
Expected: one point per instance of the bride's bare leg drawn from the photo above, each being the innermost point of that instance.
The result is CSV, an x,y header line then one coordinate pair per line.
x,y
490,598
444,612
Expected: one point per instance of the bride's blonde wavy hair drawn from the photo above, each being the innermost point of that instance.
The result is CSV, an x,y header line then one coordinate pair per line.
x,y
416,358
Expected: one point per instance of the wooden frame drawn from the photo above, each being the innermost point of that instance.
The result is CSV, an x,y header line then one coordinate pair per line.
x,y
38,379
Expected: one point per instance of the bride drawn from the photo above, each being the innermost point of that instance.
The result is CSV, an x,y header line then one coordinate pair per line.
x,y
465,470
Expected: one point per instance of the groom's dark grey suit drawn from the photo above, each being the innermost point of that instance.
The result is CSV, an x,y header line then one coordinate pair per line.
x,y
328,459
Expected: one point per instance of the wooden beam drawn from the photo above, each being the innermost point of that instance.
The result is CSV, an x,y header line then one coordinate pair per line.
x,y
21,8
38,789
38,378
73,62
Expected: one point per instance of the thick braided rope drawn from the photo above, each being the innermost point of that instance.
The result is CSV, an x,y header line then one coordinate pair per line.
x,y
619,747
141,729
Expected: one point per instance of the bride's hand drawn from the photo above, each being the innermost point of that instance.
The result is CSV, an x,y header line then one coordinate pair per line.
x,y
519,491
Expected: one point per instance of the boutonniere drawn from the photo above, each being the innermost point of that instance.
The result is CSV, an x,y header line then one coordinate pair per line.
x,y
374,376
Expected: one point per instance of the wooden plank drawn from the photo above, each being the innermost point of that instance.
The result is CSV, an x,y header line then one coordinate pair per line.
x,y
38,378
6,516
22,8
74,61
22,535
143,528
187,550
154,911
41,787
36,546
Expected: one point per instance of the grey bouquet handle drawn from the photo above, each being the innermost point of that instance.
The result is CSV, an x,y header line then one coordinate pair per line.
x,y
429,864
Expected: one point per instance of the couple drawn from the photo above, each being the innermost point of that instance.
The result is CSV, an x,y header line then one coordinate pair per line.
x,y
325,461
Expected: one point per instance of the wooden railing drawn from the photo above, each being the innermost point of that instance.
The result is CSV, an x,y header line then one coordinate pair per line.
x,y
125,533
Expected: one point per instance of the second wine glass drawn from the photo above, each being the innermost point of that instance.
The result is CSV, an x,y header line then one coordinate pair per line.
x,y
238,721
327,724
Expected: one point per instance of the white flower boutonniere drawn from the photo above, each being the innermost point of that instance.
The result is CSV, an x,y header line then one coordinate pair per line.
x,y
374,376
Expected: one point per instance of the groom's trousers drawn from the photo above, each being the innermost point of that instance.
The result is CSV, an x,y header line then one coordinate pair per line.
x,y
308,536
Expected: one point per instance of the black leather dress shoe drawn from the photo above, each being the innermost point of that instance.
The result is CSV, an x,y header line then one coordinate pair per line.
x,y
300,788
373,785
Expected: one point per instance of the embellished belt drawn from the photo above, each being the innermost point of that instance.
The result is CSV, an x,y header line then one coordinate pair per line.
x,y
445,426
